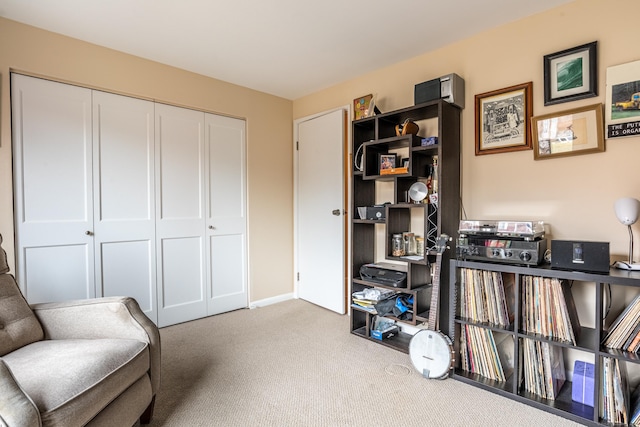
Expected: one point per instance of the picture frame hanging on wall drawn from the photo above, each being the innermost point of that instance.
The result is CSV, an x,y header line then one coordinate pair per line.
x,y
568,133
571,74
503,118
622,102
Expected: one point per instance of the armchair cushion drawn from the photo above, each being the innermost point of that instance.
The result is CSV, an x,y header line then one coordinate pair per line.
x,y
17,408
4,265
108,367
18,325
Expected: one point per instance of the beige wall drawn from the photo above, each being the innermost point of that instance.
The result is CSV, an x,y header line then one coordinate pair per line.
x,y
269,133
574,195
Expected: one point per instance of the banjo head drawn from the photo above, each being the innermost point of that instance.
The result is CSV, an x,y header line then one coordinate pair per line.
x,y
431,354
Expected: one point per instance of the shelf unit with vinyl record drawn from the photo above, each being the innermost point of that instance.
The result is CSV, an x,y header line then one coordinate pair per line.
x,y
371,239
536,362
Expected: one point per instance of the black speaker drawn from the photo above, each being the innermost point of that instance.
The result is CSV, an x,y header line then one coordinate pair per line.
x,y
580,255
427,91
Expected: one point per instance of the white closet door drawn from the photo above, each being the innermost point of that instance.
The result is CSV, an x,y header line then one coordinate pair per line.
x,y
53,189
124,198
226,214
180,218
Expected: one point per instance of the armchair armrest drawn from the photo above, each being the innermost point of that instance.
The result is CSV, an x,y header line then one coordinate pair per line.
x,y
112,317
16,408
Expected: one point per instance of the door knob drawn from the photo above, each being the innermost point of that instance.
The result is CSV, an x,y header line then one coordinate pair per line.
x,y
211,227
336,212
88,233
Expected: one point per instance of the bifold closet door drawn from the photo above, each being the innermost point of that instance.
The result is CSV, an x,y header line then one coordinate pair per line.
x,y
121,196
226,213
180,217
52,149
124,208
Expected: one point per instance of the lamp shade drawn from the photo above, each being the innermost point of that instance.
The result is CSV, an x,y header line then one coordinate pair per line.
x,y
627,210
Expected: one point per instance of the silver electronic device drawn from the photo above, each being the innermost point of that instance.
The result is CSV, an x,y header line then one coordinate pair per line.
x,y
510,242
449,87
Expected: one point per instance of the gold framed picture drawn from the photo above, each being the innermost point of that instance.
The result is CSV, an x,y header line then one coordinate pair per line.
x,y
568,133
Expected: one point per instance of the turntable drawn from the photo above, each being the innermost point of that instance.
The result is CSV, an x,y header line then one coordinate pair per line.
x,y
510,242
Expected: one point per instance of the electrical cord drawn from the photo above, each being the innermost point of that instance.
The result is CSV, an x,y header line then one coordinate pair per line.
x,y
608,302
358,163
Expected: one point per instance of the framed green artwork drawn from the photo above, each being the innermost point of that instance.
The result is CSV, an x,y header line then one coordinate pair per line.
x,y
571,74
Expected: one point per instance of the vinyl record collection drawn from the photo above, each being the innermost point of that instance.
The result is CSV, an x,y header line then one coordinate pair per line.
x,y
635,405
624,333
543,371
548,309
484,297
483,356
615,392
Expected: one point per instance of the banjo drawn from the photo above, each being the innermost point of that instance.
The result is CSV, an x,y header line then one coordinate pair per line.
x,y
430,350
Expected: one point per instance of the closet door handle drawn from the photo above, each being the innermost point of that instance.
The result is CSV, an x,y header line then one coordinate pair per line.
x,y
89,233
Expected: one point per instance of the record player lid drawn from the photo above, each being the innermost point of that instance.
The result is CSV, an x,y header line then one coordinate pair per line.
x,y
503,228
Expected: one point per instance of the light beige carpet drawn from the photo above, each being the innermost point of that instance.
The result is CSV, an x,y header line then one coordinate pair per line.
x,y
296,364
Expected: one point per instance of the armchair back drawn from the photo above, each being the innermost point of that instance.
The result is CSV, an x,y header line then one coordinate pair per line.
x,y
18,325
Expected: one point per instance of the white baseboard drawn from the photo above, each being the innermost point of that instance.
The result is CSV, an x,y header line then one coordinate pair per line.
x,y
269,301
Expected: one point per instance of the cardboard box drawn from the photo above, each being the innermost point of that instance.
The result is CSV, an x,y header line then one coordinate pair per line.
x,y
582,388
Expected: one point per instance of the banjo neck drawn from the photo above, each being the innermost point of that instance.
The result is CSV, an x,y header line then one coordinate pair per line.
x,y
441,246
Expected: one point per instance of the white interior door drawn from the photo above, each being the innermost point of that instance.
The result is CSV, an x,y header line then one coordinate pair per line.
x,y
124,213
52,148
226,213
180,217
320,234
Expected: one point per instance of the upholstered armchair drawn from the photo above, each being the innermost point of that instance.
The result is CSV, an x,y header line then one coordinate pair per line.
x,y
89,362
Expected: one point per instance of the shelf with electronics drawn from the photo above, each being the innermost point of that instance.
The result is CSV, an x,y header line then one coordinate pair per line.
x,y
523,349
435,167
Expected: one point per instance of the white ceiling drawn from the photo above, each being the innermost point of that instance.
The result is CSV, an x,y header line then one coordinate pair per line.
x,y
288,48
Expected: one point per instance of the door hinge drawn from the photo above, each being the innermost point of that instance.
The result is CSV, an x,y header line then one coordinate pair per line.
x,y
298,277
297,145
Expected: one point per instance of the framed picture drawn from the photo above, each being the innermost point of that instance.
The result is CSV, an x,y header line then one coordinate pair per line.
x,y
387,161
502,119
622,104
567,133
571,74
362,107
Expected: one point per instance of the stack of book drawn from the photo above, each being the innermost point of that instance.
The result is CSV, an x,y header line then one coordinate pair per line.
x,y
615,392
543,368
624,334
368,298
484,297
483,356
548,309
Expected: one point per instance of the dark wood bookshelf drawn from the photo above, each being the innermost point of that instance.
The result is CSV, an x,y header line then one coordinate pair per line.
x,y
588,343
374,136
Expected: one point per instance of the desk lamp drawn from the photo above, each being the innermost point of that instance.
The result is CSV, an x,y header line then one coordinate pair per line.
x,y
627,210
